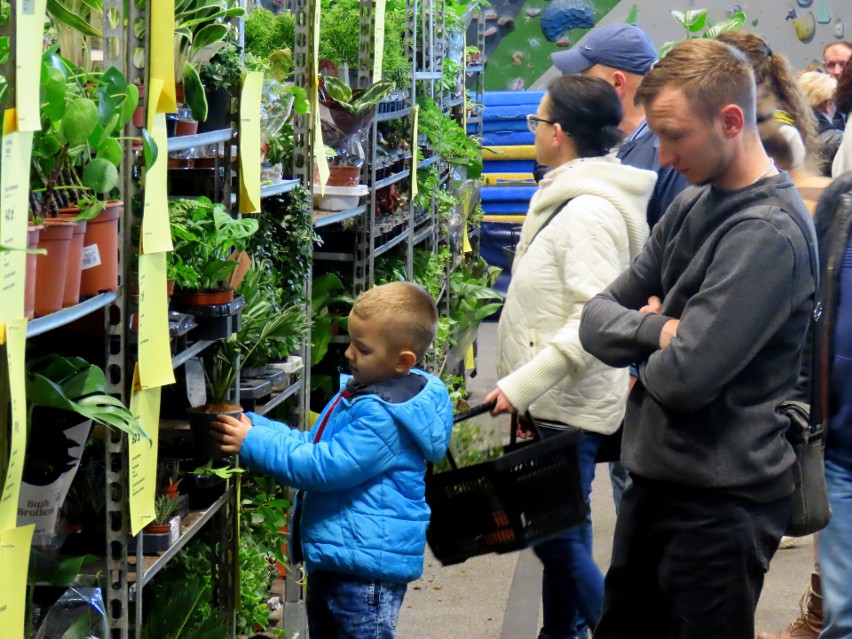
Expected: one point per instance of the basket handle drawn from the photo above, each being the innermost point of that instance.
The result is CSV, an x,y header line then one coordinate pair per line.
x,y
513,429
473,411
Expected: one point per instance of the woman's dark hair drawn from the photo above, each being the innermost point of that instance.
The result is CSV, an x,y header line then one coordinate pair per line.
x,y
589,110
843,92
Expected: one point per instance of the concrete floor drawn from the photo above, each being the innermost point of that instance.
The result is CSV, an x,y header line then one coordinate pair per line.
x,y
498,596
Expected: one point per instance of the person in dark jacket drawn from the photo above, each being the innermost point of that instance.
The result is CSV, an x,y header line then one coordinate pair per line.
x,y
715,311
834,229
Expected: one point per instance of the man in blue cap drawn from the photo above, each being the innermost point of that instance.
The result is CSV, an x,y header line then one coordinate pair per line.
x,y
622,54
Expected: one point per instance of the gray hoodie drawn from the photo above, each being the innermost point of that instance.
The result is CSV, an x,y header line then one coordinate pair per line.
x,y
734,268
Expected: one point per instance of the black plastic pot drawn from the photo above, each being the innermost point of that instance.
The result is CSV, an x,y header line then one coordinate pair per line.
x,y
204,446
218,103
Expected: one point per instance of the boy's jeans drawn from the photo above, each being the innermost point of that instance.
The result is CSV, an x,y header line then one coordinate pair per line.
x,y
343,606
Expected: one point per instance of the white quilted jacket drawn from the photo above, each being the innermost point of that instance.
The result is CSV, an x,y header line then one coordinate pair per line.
x,y
542,365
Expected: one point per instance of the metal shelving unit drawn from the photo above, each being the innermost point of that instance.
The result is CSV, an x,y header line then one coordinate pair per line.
x,y
58,319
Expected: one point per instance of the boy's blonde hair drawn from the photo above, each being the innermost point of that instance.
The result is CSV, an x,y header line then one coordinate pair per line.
x,y
407,313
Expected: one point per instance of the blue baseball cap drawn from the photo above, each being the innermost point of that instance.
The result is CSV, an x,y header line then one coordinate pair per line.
x,y
620,46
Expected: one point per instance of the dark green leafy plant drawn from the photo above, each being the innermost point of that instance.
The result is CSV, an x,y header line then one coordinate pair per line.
x,y
204,235
182,599
164,509
73,384
449,139
269,330
77,151
285,239
329,294
471,301
223,71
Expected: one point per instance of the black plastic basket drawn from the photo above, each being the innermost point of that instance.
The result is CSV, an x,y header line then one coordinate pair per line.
x,y
529,494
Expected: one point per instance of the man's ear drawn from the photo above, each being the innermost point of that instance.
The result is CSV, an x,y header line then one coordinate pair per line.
x,y
733,120
619,82
406,361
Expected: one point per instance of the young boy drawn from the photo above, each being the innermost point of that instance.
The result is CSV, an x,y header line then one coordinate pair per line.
x,y
360,471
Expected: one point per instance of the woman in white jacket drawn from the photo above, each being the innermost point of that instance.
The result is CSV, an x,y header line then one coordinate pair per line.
x,y
584,225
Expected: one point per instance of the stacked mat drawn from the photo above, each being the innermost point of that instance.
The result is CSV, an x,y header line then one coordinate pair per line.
x,y
508,155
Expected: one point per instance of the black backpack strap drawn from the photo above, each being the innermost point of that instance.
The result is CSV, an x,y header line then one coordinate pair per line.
x,y
549,219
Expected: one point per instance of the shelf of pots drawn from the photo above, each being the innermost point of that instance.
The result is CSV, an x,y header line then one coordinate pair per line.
x,y
73,170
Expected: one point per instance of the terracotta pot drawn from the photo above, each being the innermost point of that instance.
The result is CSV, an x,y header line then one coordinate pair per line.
x,y
100,252
157,529
179,93
75,258
344,176
55,238
30,284
139,117
186,127
202,298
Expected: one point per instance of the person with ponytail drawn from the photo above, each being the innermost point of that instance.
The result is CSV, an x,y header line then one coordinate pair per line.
x,y
585,223
774,74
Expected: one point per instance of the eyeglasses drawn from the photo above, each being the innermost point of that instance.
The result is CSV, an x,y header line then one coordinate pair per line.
x,y
533,120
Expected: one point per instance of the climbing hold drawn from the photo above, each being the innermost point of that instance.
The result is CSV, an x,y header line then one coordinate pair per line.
x,y
532,12
562,15
505,21
805,26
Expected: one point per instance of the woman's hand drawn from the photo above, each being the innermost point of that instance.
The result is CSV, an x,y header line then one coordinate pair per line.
x,y
503,403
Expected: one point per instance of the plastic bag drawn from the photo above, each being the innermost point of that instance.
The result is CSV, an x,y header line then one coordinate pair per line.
x,y
276,102
78,614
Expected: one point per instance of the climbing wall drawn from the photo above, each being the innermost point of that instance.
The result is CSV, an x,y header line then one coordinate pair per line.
x,y
520,36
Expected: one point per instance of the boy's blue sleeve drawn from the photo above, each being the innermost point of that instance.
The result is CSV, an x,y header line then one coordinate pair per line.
x,y
367,447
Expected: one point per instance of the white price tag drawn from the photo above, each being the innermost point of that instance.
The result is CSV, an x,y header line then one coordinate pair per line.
x,y
196,390
91,257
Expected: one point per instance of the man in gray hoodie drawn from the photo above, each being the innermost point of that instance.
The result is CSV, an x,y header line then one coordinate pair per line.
x,y
715,311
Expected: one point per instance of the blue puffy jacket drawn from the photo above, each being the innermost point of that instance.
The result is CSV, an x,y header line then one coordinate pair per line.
x,y
364,510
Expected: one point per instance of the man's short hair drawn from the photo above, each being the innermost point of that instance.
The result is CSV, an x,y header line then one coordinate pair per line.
x,y
621,46
406,312
710,73
834,43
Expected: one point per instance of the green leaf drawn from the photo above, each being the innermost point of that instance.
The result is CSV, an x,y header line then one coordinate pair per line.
x,y
100,175
46,569
128,106
668,46
113,82
634,13
207,35
337,90
81,116
106,106
149,149
695,19
53,93
374,94
733,23
110,150
193,92
680,16
64,15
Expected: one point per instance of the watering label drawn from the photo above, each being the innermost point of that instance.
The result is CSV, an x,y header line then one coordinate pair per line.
x,y
91,257
142,455
155,357
16,333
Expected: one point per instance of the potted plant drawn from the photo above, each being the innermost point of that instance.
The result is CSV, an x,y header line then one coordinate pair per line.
x,y
205,237
74,166
268,326
344,115
160,533
64,396
221,78
202,27
74,22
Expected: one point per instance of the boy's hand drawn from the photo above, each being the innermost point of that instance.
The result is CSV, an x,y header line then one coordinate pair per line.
x,y
230,432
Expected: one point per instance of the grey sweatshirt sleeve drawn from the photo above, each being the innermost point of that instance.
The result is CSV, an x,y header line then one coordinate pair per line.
x,y
612,328
745,297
